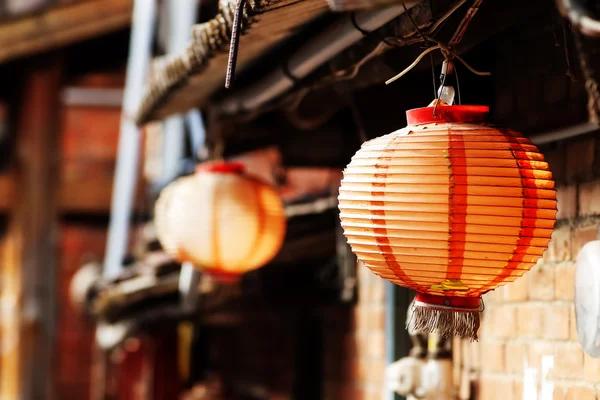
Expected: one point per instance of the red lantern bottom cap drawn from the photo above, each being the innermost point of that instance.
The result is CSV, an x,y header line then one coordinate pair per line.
x,y
223,167
221,276
458,304
446,315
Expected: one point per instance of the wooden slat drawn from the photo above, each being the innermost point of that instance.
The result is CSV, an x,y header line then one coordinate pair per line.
x,y
28,271
62,26
6,192
78,193
270,28
87,188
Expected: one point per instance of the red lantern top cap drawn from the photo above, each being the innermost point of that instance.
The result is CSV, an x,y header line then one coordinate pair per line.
x,y
425,115
222,167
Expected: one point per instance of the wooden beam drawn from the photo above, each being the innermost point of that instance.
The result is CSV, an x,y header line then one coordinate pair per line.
x,y
61,26
28,292
76,195
7,192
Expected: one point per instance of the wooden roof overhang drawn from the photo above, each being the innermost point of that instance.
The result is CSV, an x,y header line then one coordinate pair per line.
x,y
193,79
188,80
54,27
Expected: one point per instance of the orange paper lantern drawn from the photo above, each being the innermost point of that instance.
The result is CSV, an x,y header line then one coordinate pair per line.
x,y
222,221
451,208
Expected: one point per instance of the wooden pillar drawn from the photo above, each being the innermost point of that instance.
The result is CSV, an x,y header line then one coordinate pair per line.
x,y
29,275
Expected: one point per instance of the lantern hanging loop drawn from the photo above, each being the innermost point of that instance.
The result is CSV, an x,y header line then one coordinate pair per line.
x,y
386,43
448,55
446,49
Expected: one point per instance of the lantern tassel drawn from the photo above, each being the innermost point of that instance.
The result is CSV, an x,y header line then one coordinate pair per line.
x,y
446,316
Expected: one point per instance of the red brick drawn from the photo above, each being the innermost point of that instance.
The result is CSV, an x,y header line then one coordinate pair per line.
x,y
596,165
488,318
572,323
516,291
559,248
568,362
373,393
488,388
589,198
368,372
350,345
566,197
517,390
370,317
580,158
537,350
494,354
493,297
556,322
565,282
348,392
505,321
581,393
372,287
581,236
530,320
90,133
375,346
495,388
557,160
559,393
471,352
516,355
541,282
591,369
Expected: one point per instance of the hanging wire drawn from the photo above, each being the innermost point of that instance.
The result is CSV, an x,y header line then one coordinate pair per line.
x,y
412,21
447,49
457,85
447,52
414,64
386,43
434,80
293,100
441,88
568,53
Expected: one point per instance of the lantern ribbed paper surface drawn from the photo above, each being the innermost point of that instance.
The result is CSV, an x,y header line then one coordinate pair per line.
x,y
220,220
451,208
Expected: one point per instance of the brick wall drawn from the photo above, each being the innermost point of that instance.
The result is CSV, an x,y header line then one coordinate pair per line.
x,y
75,334
528,346
531,322
355,357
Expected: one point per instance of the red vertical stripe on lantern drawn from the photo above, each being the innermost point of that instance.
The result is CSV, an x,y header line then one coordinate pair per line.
x,y
260,224
215,232
457,206
524,241
381,234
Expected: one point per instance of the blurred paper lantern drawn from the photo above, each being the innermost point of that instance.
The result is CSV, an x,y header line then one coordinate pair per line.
x,y
222,221
451,208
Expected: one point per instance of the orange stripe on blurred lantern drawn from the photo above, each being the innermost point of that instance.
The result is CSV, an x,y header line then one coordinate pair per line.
x,y
222,221
451,208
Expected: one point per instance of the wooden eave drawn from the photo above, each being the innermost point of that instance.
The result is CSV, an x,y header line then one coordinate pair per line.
x,y
60,26
180,83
